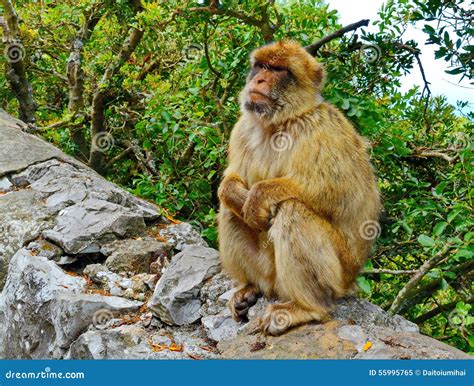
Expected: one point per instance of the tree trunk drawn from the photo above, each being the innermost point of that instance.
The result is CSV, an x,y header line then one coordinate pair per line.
x,y
15,67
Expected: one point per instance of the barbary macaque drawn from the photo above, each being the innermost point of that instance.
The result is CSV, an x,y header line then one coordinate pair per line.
x,y
299,198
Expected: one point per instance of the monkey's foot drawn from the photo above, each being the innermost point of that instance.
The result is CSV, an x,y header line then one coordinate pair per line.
x,y
278,318
241,301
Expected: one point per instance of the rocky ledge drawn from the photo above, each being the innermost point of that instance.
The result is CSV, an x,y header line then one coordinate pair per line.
x,y
89,271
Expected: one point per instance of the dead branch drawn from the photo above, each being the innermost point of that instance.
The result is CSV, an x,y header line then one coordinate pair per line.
x,y
390,271
313,48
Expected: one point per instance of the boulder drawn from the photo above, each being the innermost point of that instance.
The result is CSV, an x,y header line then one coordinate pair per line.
x,y
45,309
133,255
176,299
181,235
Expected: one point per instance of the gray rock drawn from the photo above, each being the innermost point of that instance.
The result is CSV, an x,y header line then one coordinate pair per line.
x,y
221,326
134,342
84,227
133,255
337,340
46,249
366,314
18,150
212,291
45,310
22,219
5,184
181,235
176,299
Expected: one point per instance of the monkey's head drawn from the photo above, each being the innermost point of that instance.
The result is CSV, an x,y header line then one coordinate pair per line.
x,y
284,81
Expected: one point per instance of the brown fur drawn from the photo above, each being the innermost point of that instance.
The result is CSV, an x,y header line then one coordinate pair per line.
x,y
289,223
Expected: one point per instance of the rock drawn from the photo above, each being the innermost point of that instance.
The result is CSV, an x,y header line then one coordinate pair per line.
x,y
134,342
46,249
133,255
366,314
22,219
181,235
211,293
14,142
5,185
93,270
344,337
176,299
221,326
45,310
84,227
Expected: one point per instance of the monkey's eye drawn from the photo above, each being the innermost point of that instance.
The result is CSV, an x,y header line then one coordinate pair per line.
x,y
278,68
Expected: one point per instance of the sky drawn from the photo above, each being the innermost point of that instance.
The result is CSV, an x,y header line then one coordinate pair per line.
x,y
441,83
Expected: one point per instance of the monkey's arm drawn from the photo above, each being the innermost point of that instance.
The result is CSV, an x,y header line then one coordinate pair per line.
x,y
233,193
263,199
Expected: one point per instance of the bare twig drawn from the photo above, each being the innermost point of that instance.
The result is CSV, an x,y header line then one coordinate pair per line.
x,y
118,157
407,290
391,271
426,153
313,48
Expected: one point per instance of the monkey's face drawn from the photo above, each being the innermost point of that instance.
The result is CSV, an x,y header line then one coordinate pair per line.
x,y
284,82
267,90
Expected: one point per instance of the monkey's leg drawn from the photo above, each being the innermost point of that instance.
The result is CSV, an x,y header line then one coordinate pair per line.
x,y
309,275
244,258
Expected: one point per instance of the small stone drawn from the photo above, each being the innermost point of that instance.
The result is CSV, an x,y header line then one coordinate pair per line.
x,y
46,249
5,185
115,291
161,340
133,255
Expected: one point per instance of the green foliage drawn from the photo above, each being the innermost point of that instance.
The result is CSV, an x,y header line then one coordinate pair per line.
x,y
176,100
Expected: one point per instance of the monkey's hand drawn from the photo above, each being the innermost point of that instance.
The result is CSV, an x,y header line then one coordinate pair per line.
x,y
233,193
263,199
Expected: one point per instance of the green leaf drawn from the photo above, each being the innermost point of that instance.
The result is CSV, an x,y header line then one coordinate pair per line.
x,y
439,228
426,241
364,285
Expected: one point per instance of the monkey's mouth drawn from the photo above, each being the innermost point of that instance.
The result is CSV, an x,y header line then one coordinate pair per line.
x,y
256,95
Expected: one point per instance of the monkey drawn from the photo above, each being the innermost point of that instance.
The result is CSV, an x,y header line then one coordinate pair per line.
x,y
297,195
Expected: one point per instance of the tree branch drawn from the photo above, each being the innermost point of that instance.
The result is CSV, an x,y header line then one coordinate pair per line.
x,y
407,290
390,271
264,24
313,48
15,66
96,157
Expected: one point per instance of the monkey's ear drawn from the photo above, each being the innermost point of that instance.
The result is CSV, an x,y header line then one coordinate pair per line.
x,y
319,76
